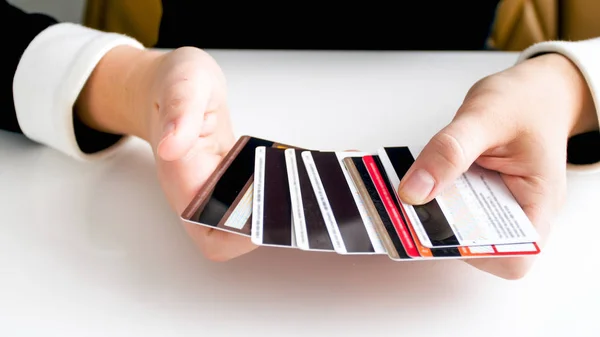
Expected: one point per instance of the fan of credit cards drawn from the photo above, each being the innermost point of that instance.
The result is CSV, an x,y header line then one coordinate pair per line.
x,y
346,202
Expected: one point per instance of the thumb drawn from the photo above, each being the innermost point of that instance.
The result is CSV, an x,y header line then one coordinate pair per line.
x,y
447,155
182,109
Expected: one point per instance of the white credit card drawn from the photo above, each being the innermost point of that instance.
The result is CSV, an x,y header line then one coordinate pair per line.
x,y
477,210
310,229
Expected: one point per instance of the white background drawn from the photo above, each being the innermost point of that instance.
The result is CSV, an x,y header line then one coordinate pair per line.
x,y
94,250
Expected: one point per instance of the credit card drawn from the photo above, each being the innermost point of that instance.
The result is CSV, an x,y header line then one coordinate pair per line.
x,y
376,171
368,222
384,190
481,211
429,225
224,202
517,249
311,231
346,202
375,207
337,204
272,208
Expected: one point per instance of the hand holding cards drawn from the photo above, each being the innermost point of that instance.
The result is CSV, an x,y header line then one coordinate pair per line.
x,y
346,202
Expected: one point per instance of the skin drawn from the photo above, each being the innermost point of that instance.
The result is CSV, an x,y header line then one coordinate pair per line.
x,y
516,122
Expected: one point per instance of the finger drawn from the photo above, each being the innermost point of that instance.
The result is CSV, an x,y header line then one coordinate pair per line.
x,y
214,244
182,109
182,179
219,245
206,145
515,268
210,124
223,134
447,155
510,268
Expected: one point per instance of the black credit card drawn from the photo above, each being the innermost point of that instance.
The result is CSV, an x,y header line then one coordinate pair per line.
x,y
336,201
225,201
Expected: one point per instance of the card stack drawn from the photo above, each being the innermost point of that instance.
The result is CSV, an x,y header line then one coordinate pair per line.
x,y
346,202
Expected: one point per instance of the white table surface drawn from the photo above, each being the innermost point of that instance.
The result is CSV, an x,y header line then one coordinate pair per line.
x,y
94,250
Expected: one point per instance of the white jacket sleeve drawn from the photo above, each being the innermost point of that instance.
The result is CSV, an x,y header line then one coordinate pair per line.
x,y
51,73
586,56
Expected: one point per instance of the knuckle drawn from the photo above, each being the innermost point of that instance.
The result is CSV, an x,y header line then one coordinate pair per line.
x,y
449,149
481,106
204,76
175,102
177,91
483,86
173,107
189,71
482,97
191,53
176,95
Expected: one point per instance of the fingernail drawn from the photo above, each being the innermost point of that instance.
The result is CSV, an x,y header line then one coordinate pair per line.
x,y
418,186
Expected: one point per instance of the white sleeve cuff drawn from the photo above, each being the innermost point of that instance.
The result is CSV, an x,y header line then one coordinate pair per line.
x,y
51,74
586,56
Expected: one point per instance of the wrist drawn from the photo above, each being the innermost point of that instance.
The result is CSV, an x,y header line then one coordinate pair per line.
x,y
115,95
585,118
581,111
